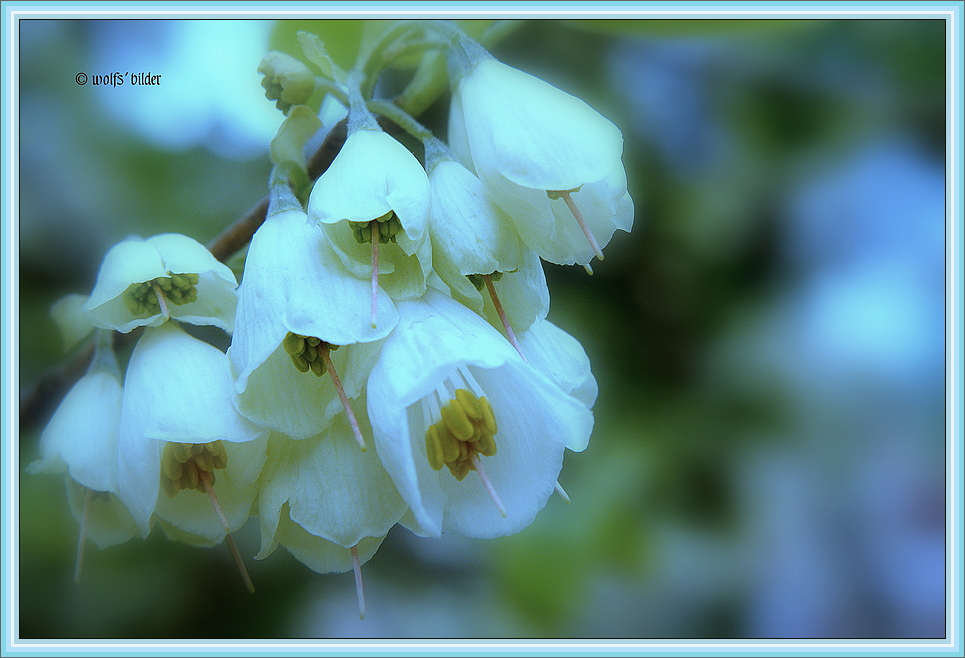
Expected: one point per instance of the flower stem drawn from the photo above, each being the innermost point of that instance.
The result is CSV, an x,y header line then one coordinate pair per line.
x,y
565,195
375,267
488,485
359,591
401,118
82,540
502,316
344,398
232,546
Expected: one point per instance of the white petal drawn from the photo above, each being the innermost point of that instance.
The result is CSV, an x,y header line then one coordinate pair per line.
x,y
182,255
532,133
333,489
293,283
179,389
127,262
73,320
319,554
300,404
560,357
536,419
235,487
467,227
402,275
605,206
108,520
523,295
372,174
83,432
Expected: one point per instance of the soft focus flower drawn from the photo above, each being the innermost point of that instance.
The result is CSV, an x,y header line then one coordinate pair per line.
x,y
177,419
448,390
560,357
82,434
332,491
375,183
143,282
294,285
470,234
82,437
552,162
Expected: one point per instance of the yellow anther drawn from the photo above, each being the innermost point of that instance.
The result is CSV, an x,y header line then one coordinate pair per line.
x,y
306,352
457,422
183,464
469,404
465,430
489,420
434,449
172,469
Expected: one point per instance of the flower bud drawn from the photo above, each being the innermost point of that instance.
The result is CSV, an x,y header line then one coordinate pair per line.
x,y
287,80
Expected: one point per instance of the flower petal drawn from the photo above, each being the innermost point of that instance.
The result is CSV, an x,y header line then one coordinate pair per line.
x,y
333,489
235,486
179,389
467,227
536,419
299,404
318,554
108,520
532,133
372,175
83,432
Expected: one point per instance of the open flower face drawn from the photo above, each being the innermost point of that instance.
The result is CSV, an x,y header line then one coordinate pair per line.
x,y
373,204
144,282
177,415
537,149
449,396
297,306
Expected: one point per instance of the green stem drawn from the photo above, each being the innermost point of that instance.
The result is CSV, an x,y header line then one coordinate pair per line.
x,y
401,118
329,87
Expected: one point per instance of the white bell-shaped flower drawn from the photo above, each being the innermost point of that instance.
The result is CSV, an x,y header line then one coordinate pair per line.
x,y
373,205
548,159
144,282
82,434
295,290
82,437
332,489
448,390
177,417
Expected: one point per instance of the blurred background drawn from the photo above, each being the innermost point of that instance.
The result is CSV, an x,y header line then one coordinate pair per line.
x,y
768,458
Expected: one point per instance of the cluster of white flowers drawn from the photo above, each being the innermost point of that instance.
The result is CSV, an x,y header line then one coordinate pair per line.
x,y
393,325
